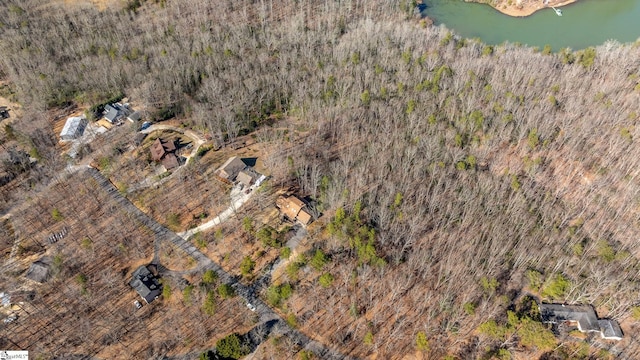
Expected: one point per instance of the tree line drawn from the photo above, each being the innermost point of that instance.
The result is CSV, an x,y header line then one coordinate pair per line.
x,y
483,172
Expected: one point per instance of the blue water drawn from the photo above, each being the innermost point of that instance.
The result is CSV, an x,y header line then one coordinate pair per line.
x,y
583,24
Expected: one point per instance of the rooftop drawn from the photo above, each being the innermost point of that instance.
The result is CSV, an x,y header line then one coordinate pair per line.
x,y
248,176
38,271
584,316
135,116
170,161
161,148
610,329
230,169
73,127
293,209
145,284
111,113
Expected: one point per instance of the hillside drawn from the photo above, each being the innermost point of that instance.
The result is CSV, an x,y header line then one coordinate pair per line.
x,y
451,182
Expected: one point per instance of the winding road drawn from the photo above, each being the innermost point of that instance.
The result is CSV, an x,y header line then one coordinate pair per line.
x,y
264,312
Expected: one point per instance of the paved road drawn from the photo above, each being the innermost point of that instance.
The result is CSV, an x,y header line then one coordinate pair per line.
x,y
265,313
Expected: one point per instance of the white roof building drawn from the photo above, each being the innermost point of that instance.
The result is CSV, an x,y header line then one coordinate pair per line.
x,y
73,128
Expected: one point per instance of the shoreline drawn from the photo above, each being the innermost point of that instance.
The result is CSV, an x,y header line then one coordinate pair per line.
x,y
528,10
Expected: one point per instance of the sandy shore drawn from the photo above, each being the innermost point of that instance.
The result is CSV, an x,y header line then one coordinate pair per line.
x,y
528,7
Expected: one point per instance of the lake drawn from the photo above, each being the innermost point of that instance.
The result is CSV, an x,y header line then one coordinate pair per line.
x,y
583,24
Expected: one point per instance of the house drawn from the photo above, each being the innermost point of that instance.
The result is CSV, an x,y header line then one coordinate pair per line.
x,y
230,169
235,170
582,316
160,149
134,117
245,178
112,113
170,161
163,151
610,329
39,271
248,177
73,128
294,209
146,284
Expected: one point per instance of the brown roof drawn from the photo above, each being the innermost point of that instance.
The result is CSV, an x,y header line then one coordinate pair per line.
x,y
168,146
245,178
295,203
230,169
291,207
170,161
304,217
159,149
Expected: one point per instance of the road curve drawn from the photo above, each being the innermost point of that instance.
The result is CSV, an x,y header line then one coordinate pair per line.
x,y
264,312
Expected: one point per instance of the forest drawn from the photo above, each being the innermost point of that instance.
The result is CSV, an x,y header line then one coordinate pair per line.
x,y
452,181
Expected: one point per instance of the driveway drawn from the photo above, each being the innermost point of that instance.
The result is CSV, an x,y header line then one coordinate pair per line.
x,y
237,200
264,312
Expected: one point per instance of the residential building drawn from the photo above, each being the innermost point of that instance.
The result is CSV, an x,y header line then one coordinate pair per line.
x,y
294,209
134,117
146,284
39,271
73,128
170,161
112,113
230,169
163,151
582,316
161,148
245,178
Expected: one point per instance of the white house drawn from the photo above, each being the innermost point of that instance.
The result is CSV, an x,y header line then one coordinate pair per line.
x,y
73,128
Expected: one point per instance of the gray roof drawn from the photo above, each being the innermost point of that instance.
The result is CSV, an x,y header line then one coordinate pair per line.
x,y
145,284
73,128
230,169
584,316
610,329
139,138
111,113
38,271
135,116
